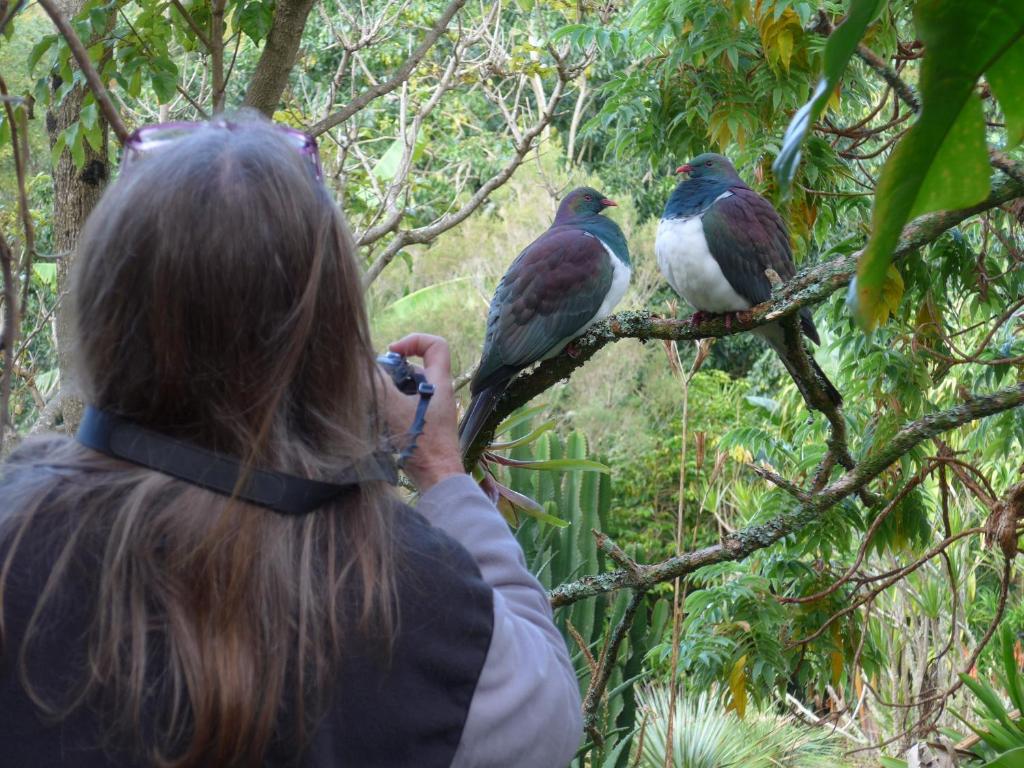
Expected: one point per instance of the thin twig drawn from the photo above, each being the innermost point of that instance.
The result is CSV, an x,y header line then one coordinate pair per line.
x,y
20,149
399,77
9,336
598,683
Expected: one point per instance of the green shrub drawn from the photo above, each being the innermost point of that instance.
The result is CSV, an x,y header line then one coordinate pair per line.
x,y
704,735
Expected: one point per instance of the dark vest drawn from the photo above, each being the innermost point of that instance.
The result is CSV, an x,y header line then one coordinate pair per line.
x,y
408,710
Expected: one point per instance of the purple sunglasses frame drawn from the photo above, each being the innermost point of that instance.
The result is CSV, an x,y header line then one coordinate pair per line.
x,y
147,138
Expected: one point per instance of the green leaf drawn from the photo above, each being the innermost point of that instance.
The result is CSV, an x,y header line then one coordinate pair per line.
x,y
563,465
98,15
89,115
71,139
950,129
46,381
517,418
135,83
525,439
39,49
988,698
613,755
165,85
389,163
1005,78
58,148
413,306
164,78
1012,759
46,272
959,172
255,20
92,129
840,47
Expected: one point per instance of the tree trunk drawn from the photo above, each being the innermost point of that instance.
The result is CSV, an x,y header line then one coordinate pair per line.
x,y
279,53
75,192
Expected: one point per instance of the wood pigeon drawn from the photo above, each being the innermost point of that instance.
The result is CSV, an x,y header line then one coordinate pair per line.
x,y
562,283
715,240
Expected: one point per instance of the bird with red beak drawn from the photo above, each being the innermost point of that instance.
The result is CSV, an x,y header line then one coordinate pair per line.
x,y
716,239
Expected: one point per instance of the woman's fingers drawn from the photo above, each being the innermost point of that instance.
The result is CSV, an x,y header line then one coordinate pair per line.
x,y
434,351
437,453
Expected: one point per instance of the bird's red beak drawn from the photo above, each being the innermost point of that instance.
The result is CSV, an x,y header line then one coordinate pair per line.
x,y
684,168
606,202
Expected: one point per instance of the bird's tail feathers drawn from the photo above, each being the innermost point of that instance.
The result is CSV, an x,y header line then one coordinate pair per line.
x,y
479,409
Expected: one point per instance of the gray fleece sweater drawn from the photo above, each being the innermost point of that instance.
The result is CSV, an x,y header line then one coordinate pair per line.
x,y
525,712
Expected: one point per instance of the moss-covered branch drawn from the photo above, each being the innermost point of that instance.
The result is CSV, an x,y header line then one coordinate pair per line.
x,y
738,545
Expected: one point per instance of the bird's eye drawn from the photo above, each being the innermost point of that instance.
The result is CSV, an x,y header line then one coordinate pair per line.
x,y
587,197
708,163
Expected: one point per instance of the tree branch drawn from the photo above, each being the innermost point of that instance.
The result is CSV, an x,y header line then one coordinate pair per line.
x,y
20,151
599,681
92,77
742,543
8,337
400,76
192,24
429,232
216,40
890,76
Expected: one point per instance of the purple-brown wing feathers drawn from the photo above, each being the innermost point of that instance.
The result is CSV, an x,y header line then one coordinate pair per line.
x,y
746,236
549,294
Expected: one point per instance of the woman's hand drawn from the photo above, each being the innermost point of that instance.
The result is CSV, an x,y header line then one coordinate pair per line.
x,y
437,453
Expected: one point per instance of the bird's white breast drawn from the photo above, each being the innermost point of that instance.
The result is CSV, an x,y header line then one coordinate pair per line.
x,y
686,262
620,282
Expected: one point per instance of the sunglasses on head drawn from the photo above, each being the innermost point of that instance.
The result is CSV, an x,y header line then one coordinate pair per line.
x,y
150,139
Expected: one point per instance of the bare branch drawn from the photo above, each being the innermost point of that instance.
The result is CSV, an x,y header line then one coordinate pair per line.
x,y
216,40
1007,165
410,135
400,76
887,73
866,543
598,683
20,150
429,232
614,551
780,482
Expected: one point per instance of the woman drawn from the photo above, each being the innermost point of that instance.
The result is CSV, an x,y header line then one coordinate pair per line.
x,y
162,599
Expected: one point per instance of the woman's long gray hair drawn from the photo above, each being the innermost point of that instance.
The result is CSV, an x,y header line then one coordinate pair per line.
x,y
217,300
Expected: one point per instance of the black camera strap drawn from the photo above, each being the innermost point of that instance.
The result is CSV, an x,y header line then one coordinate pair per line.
x,y
426,391
287,494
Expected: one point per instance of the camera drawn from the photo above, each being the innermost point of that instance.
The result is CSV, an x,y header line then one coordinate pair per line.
x,y
409,382
405,378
